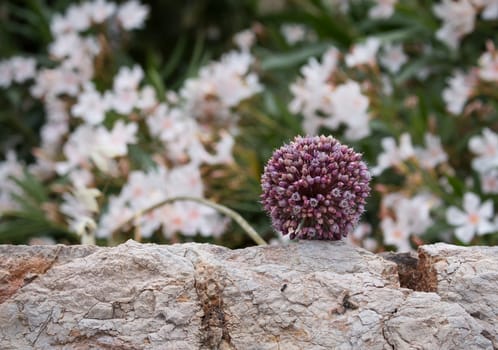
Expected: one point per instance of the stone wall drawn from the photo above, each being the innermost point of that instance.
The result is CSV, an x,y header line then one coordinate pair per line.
x,y
307,295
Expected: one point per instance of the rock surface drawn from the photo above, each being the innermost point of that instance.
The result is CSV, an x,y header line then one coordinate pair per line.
x,y
307,295
467,276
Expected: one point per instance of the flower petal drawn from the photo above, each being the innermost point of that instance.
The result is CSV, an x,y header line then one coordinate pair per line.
x,y
485,227
455,216
471,202
465,233
486,210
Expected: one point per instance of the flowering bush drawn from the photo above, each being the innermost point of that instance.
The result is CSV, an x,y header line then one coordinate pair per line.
x,y
409,85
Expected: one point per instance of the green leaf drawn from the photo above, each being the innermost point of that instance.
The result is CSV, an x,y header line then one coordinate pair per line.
x,y
140,158
156,80
32,188
411,69
457,185
175,58
294,57
19,228
397,35
28,205
196,58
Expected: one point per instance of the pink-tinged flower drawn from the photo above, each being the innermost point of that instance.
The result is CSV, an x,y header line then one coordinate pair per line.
x,y
98,145
475,218
393,58
361,237
414,211
23,68
60,25
16,69
91,105
6,74
79,207
393,155
293,33
78,149
81,202
125,95
488,64
147,98
396,233
76,19
174,128
315,188
244,39
53,82
115,143
409,216
311,93
382,9
433,154
223,151
132,14
324,104
488,8
458,20
64,45
349,107
144,189
79,19
220,86
363,53
128,78
460,88
52,134
489,181
9,168
99,10
486,147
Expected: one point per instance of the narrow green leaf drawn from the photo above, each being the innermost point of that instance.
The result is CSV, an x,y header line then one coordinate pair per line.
x,y
175,58
293,58
156,81
140,158
32,187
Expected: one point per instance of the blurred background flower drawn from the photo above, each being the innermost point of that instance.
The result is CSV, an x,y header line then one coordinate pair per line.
x,y
109,107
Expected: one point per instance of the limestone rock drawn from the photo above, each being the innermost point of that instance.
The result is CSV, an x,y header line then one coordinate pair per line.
x,y
19,265
464,275
307,295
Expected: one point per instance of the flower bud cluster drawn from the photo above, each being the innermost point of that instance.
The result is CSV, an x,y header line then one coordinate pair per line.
x,y
315,188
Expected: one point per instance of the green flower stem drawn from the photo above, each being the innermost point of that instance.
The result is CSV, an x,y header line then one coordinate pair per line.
x,y
221,208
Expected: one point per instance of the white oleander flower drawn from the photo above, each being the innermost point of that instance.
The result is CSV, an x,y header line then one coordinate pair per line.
x,y
486,149
396,233
458,20
433,154
91,105
473,219
488,64
363,53
132,14
489,181
460,88
393,58
382,9
393,155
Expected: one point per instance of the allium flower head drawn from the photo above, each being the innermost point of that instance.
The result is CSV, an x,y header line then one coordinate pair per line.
x,y
315,188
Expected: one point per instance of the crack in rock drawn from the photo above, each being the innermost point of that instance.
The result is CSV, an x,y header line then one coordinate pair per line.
x,y
214,320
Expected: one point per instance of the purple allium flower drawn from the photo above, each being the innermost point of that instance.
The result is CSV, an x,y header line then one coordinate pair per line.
x,y
315,188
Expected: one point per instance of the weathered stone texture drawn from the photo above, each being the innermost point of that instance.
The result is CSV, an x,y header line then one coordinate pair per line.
x,y
307,295
467,276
